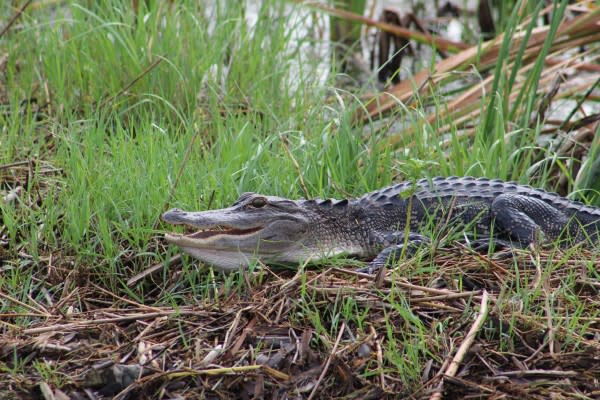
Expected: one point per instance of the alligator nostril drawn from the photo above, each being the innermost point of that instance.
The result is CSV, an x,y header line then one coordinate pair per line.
x,y
168,215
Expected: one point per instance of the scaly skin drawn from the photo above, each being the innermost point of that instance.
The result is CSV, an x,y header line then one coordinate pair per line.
x,y
282,231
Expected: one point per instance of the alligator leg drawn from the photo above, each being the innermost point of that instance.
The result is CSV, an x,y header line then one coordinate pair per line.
x,y
395,244
525,220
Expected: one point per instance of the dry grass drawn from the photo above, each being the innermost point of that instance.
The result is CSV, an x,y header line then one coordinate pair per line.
x,y
263,343
578,31
543,62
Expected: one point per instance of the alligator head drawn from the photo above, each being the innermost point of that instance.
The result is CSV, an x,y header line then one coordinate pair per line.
x,y
269,228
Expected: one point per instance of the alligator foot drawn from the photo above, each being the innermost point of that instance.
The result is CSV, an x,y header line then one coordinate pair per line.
x,y
397,244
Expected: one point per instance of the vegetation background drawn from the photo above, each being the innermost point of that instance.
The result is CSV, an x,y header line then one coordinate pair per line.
x,y
113,111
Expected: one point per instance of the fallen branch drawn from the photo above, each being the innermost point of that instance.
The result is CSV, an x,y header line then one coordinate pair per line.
x,y
464,347
227,370
540,372
102,321
437,42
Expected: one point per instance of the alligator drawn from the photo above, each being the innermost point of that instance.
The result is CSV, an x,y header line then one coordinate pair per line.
x,y
381,225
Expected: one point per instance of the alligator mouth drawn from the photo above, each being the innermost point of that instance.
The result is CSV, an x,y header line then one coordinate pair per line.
x,y
206,234
221,230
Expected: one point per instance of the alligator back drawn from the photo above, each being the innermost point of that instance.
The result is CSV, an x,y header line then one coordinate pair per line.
x,y
474,198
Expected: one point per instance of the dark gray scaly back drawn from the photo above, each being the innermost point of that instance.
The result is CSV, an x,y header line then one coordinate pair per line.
x,y
470,199
475,188
465,201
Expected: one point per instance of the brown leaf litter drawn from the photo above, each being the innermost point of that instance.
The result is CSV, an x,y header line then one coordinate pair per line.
x,y
284,334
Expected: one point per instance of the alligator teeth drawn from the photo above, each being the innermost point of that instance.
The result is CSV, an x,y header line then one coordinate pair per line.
x,y
222,230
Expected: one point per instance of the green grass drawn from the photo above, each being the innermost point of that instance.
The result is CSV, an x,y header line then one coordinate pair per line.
x,y
231,107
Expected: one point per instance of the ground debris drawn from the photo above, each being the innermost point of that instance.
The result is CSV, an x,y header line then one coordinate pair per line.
x,y
290,335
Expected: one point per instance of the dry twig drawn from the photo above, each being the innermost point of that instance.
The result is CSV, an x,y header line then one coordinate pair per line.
x,y
465,345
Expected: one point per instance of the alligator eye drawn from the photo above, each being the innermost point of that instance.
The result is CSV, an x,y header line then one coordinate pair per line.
x,y
259,202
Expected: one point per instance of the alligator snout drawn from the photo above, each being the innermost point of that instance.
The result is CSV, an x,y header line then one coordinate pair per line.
x,y
175,216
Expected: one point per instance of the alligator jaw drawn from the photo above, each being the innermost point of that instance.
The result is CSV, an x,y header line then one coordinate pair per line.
x,y
211,228
224,247
207,237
